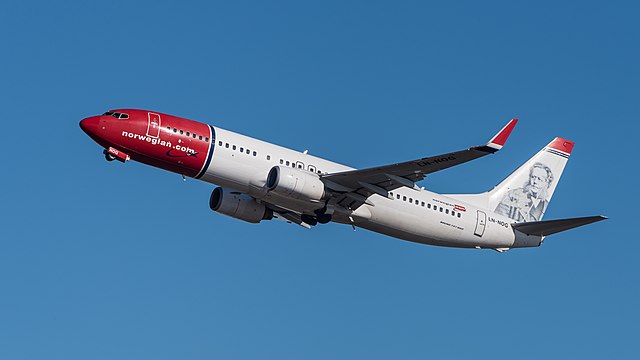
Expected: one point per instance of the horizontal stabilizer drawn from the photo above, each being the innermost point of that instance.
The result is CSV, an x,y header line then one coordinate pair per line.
x,y
548,227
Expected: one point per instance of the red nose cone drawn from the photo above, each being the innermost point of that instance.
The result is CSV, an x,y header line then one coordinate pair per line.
x,y
90,125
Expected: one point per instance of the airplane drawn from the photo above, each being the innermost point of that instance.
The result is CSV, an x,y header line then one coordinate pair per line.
x,y
260,181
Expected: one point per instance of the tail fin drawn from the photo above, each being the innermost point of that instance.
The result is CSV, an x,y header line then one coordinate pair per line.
x,y
525,194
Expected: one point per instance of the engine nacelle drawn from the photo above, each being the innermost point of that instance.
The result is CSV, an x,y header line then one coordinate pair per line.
x,y
238,206
294,183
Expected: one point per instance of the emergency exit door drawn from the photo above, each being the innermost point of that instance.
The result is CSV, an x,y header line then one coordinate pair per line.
x,y
481,223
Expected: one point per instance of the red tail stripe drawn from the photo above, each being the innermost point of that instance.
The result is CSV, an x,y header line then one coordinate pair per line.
x,y
561,144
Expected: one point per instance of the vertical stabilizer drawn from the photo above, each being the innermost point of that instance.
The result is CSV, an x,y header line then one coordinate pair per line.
x,y
525,194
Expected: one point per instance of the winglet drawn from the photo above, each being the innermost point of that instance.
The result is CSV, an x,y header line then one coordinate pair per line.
x,y
497,142
501,138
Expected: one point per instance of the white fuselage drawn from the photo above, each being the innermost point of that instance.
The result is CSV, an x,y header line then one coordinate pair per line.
x,y
414,215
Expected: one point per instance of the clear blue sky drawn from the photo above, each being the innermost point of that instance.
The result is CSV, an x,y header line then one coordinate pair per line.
x,y
109,261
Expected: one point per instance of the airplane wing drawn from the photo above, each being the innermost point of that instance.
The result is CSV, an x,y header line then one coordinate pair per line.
x,y
357,185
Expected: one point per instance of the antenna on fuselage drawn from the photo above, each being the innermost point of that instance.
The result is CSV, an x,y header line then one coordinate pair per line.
x,y
352,223
183,178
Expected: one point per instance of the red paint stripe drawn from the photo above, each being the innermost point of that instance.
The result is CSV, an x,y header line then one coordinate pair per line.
x,y
561,144
503,135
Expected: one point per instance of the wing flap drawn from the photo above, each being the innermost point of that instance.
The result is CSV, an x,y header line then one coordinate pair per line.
x,y
548,227
287,216
291,217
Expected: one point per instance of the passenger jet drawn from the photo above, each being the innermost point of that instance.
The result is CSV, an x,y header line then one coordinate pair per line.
x,y
260,181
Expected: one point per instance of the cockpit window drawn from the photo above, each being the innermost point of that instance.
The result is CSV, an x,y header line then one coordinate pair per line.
x,y
117,115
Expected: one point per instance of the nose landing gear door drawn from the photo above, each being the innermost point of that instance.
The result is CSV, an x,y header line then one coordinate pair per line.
x,y
481,224
153,125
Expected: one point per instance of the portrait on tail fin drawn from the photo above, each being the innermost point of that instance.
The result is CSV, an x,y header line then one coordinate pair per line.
x,y
529,202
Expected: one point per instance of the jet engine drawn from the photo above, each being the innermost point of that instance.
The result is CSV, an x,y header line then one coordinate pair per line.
x,y
294,183
238,206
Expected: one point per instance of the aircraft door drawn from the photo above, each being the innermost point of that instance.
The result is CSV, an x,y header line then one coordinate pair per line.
x,y
481,224
153,125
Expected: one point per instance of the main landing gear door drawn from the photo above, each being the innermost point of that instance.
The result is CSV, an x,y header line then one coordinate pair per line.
x,y
482,222
153,125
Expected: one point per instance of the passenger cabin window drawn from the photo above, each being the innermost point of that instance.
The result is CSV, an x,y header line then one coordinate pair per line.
x,y
188,134
226,145
233,147
207,139
255,153
268,157
458,214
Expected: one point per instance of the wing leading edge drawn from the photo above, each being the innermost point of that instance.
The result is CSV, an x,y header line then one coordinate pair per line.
x,y
355,186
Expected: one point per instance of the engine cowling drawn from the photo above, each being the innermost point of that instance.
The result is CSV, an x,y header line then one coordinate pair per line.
x,y
294,183
238,206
